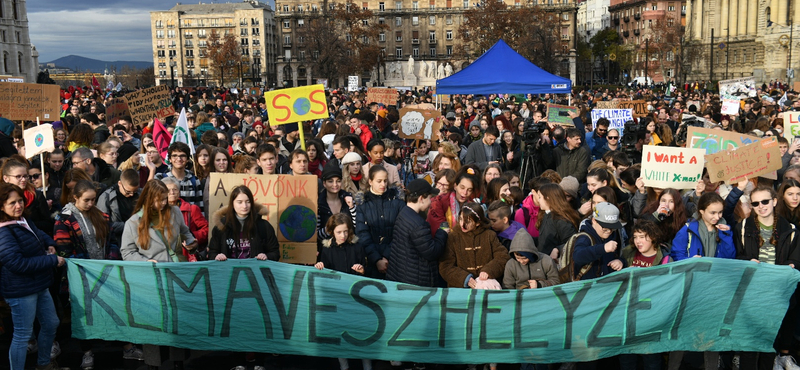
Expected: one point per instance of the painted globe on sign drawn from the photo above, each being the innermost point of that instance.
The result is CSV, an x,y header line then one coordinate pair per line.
x,y
302,106
297,223
39,139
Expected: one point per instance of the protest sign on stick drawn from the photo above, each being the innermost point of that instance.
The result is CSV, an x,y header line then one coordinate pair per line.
x,y
668,167
732,166
385,96
21,101
616,117
418,123
115,109
148,103
559,114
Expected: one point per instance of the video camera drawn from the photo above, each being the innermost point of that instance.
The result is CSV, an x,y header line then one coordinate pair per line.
x,y
683,130
533,132
632,133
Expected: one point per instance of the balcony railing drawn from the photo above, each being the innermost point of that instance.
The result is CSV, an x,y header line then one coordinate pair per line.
x,y
432,41
636,32
637,16
626,19
625,33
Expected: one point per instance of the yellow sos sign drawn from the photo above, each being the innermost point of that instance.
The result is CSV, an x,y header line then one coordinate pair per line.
x,y
296,104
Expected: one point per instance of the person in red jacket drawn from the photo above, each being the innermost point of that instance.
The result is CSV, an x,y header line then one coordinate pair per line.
x,y
192,215
358,127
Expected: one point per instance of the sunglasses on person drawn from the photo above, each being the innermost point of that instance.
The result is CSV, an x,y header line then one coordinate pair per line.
x,y
35,176
613,137
763,202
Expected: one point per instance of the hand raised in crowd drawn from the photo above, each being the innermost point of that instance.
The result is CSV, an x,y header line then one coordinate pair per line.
x,y
615,265
700,187
357,268
742,185
319,265
586,208
794,147
349,200
261,257
723,227
640,185
221,257
611,246
382,265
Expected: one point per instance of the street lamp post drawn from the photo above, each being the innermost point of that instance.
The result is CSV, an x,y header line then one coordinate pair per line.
x,y
172,72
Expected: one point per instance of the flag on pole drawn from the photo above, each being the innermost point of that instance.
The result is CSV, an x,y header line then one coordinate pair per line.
x,y
182,133
95,84
38,139
161,138
119,87
109,85
783,100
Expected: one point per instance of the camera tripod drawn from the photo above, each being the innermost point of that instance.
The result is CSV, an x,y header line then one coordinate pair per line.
x,y
527,166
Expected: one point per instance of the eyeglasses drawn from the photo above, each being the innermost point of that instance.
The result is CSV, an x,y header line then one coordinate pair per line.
x,y
763,202
613,137
35,176
181,156
78,161
18,177
443,184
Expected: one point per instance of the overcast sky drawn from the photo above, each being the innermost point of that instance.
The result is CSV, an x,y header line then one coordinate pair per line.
x,y
109,30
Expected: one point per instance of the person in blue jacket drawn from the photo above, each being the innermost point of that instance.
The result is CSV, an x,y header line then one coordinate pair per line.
x,y
708,235
27,259
601,249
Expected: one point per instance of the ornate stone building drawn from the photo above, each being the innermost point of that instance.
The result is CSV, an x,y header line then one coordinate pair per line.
x,y
423,30
19,57
180,40
750,37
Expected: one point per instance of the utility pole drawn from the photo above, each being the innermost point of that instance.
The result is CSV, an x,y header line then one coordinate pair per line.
x,y
727,45
711,59
646,61
789,61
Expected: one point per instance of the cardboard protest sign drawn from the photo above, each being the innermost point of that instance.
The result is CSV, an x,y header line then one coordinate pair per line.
x,y
730,107
296,104
382,95
38,139
738,88
639,107
335,314
352,83
746,162
323,82
605,105
791,125
418,123
616,117
559,114
669,167
443,98
291,203
21,101
152,102
115,109
715,140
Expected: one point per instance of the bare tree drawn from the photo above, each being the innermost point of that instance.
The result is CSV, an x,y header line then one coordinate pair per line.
x,y
223,55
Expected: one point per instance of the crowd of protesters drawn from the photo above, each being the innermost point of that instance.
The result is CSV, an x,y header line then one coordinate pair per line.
x,y
458,210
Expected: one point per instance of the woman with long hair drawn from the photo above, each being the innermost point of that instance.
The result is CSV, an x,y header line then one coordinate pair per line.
x,y
156,233
36,208
83,231
376,149
240,231
192,216
445,208
510,148
498,189
81,136
316,156
789,200
327,134
766,237
378,207
221,161
669,213
202,162
353,177
557,221
27,260
446,160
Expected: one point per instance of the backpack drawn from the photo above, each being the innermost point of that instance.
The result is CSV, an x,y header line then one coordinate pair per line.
x,y
526,215
566,271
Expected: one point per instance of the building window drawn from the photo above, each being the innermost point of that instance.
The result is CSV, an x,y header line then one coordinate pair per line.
x,y
171,34
302,54
415,21
432,36
433,52
398,21
398,36
466,4
159,24
348,38
398,52
381,6
449,50
365,22
364,6
415,51
301,23
382,37
671,7
381,20
287,39
566,16
398,5
448,19
415,5
432,20
159,35
286,8
286,24
448,34
19,62
654,6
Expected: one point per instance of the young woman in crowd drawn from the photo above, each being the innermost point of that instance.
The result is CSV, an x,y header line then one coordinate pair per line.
x,y
528,211
473,251
202,163
353,177
81,136
245,164
222,161
27,261
789,200
445,208
156,233
332,200
767,237
444,180
376,149
83,231
36,207
192,216
492,171
668,212
316,156
511,151
378,207
446,160
498,189
556,221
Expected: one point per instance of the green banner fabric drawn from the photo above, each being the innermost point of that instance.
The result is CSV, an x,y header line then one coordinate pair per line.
x,y
701,304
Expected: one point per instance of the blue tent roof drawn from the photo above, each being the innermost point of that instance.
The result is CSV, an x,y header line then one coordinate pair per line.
x,y
503,70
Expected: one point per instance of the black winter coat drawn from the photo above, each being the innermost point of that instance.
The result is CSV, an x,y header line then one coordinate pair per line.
x,y
375,219
414,254
553,233
25,266
342,257
786,249
324,212
39,214
264,241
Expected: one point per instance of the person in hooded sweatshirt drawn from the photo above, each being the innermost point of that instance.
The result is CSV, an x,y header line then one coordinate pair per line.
x,y
599,250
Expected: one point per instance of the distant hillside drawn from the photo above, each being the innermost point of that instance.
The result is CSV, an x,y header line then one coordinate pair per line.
x,y
80,63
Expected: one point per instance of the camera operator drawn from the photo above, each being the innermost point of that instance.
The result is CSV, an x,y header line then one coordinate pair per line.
x,y
571,158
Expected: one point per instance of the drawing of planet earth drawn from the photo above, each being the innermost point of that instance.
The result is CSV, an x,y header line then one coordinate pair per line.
x,y
297,223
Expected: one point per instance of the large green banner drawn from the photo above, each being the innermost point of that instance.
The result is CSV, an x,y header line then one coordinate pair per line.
x,y
701,304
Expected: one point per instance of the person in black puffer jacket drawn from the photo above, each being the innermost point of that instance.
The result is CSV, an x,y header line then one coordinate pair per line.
x,y
377,211
414,251
332,195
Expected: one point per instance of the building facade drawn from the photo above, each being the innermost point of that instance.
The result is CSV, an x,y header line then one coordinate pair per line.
x,y
750,38
423,30
642,24
593,16
180,41
20,58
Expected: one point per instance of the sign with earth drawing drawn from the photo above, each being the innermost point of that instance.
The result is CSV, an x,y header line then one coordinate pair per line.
x,y
419,123
296,104
291,203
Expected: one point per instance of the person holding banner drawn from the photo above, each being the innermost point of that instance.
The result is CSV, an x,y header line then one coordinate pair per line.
x,y
377,211
240,231
766,237
36,208
27,261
